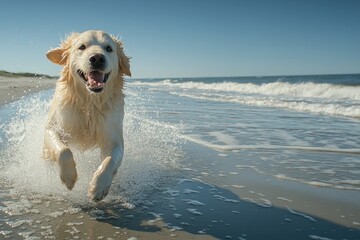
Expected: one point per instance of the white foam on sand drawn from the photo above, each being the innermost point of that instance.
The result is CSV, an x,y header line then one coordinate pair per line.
x,y
220,147
151,151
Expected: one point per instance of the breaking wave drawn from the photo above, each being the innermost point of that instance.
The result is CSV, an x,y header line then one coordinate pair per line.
x,y
306,89
322,98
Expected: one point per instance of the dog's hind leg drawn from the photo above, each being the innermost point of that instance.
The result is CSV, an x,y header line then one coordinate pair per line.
x,y
55,149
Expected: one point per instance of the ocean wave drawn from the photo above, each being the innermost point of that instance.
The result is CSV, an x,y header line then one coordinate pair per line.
x,y
318,98
305,89
336,108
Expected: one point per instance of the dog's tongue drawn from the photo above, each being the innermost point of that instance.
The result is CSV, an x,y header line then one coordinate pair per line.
x,y
95,78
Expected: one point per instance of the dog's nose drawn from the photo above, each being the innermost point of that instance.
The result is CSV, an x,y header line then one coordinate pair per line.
x,y
97,60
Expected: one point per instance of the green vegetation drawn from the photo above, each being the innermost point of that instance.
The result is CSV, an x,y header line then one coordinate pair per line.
x,y
16,75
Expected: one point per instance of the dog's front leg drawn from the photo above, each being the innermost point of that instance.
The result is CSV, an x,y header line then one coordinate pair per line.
x,y
55,149
100,184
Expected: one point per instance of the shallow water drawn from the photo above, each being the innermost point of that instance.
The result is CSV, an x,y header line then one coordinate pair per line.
x,y
298,128
168,186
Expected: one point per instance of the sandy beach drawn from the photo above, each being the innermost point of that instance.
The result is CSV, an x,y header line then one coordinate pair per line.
x,y
13,88
206,194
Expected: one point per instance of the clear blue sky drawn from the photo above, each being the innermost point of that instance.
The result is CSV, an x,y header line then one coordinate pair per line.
x,y
192,38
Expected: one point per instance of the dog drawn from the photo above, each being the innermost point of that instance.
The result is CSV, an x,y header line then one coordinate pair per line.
x,y
87,108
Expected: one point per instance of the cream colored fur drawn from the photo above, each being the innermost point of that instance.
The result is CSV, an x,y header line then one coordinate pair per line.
x,y
84,119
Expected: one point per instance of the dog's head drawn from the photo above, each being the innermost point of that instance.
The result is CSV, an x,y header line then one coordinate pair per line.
x,y
93,58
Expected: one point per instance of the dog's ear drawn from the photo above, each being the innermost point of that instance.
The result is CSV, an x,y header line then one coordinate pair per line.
x,y
124,61
59,55
56,56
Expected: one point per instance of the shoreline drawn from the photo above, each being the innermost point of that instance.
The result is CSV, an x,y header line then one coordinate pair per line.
x,y
13,88
335,205
208,197
182,208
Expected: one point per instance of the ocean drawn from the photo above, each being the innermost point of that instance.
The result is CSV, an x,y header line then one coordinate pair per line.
x,y
208,157
303,128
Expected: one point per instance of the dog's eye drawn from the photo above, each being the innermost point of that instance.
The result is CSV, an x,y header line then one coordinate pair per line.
x,y
82,47
109,49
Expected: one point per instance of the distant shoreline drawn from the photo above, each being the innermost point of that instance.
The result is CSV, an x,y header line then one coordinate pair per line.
x,y
24,74
13,86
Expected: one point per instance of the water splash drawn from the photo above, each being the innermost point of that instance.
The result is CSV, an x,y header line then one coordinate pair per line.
x,y
152,152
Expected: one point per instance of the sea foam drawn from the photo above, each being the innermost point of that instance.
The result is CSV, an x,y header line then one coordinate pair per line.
x,y
306,89
320,98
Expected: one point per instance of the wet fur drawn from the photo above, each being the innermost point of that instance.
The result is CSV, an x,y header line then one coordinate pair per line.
x,y
80,118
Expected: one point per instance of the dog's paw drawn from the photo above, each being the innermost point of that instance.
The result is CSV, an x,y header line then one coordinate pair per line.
x,y
68,174
100,184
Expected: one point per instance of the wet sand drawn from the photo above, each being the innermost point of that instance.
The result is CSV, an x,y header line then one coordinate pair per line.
x,y
193,204
185,208
208,197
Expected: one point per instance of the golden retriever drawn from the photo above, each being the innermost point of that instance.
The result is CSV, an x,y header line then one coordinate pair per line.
x,y
87,109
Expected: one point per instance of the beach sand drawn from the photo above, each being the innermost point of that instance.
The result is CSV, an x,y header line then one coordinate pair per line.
x,y
13,88
209,197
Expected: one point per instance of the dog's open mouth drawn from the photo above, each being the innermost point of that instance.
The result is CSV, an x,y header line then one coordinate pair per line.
x,y
94,80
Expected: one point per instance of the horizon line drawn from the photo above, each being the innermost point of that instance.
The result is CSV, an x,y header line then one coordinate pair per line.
x,y
231,76
256,76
